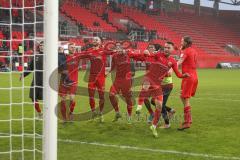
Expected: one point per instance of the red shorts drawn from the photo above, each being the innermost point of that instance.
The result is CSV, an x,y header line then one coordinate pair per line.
x,y
122,86
154,91
98,83
189,87
64,90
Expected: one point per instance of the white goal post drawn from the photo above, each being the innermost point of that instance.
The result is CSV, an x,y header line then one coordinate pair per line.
x,y
50,64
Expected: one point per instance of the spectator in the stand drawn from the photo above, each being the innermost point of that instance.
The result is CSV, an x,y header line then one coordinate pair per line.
x,y
80,27
152,34
105,15
85,3
15,15
113,5
164,11
6,33
65,23
95,23
150,5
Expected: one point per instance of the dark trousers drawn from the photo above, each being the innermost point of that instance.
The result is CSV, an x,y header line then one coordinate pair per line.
x,y
165,109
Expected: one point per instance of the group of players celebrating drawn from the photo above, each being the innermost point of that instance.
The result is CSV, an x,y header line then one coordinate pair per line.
x,y
157,82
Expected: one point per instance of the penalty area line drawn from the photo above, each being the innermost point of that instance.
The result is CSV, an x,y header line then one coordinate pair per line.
x,y
149,149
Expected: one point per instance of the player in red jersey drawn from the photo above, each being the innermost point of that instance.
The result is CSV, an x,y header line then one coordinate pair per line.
x,y
167,86
159,67
97,76
123,81
188,60
72,67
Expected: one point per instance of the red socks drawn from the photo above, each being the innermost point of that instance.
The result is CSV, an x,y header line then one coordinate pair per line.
x,y
187,115
129,109
157,115
101,101
37,107
72,106
129,105
63,110
114,102
92,103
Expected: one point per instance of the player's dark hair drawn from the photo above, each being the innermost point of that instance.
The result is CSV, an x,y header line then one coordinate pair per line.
x,y
188,41
101,38
158,47
171,43
86,40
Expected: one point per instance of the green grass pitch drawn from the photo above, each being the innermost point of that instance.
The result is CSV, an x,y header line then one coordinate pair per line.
x,y
215,133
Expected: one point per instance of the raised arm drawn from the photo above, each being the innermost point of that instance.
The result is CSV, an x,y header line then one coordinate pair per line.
x,y
137,56
85,54
109,53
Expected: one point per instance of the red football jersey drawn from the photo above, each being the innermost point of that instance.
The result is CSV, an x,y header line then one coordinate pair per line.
x,y
72,66
121,63
98,62
189,63
159,65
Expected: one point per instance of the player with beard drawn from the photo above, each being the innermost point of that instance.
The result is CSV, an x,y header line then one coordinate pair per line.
x,y
123,81
159,67
96,79
188,60
167,86
72,62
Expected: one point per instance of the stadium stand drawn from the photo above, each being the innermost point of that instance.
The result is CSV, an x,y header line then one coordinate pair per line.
x,y
112,16
209,40
86,17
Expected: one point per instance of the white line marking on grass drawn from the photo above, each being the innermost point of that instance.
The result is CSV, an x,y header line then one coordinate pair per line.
x,y
150,150
214,99
219,99
210,94
214,94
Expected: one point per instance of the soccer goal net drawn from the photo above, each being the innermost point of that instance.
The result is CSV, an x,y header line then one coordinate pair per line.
x,y
28,57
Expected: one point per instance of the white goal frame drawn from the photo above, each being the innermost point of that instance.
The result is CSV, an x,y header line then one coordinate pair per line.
x,y
50,64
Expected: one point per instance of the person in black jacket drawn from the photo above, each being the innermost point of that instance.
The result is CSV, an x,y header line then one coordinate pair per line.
x,y
62,67
36,67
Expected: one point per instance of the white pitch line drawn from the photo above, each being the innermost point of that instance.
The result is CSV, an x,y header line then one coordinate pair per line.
x,y
145,149
150,150
219,99
210,94
214,99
